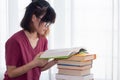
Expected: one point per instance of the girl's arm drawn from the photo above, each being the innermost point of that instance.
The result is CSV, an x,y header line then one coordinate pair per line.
x,y
14,71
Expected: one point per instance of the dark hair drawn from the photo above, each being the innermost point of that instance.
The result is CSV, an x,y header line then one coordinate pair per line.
x,y
38,8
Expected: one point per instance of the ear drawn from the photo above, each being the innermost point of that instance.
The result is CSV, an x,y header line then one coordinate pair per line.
x,y
34,18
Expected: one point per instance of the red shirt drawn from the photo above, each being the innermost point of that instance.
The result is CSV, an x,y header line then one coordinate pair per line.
x,y
18,52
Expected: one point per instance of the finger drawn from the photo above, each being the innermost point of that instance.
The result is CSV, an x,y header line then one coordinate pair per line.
x,y
39,54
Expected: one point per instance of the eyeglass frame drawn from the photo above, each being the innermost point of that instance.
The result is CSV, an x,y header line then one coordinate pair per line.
x,y
47,23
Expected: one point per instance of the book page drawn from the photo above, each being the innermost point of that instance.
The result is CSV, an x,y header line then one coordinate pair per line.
x,y
57,53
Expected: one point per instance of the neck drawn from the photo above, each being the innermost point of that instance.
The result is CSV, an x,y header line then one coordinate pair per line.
x,y
32,35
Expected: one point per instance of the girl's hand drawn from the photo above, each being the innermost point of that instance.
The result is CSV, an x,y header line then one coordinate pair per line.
x,y
39,62
49,65
55,61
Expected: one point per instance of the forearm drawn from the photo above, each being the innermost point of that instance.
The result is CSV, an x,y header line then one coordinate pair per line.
x,y
49,65
20,70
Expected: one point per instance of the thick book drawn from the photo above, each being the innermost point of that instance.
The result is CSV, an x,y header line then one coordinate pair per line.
x,y
74,63
60,53
74,67
82,57
74,72
68,77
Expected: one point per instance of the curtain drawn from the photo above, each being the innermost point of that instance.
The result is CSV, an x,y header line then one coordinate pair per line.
x,y
10,16
3,34
91,24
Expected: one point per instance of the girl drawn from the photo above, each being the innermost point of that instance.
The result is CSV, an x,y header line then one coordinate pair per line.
x,y
22,50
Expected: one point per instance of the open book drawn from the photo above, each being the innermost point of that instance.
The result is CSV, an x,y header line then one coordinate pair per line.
x,y
60,53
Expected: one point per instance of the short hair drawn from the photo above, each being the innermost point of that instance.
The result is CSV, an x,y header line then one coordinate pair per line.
x,y
38,8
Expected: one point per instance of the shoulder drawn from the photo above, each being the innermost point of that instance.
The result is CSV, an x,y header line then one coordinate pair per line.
x,y
43,39
44,43
15,37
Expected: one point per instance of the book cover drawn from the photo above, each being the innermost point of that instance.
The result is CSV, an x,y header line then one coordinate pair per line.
x,y
82,57
68,77
74,72
74,67
75,63
60,53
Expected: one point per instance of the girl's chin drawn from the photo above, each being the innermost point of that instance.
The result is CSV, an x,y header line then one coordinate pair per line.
x,y
42,33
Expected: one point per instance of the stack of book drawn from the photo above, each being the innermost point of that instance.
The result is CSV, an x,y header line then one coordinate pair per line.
x,y
77,67
73,63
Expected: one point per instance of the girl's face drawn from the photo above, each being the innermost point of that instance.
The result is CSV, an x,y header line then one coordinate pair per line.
x,y
39,26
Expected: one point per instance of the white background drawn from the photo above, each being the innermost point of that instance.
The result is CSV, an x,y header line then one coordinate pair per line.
x,y
91,24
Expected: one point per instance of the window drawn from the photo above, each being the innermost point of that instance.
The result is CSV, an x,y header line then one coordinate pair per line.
x,y
91,24
3,35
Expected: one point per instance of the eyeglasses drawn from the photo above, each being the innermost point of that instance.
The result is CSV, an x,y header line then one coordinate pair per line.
x,y
47,24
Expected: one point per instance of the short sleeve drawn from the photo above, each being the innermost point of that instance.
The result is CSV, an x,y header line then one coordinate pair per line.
x,y
12,52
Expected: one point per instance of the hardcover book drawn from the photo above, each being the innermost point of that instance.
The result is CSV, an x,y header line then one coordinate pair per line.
x,y
74,63
68,77
74,72
82,57
74,67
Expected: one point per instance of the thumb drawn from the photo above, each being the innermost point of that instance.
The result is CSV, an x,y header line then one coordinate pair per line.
x,y
38,55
